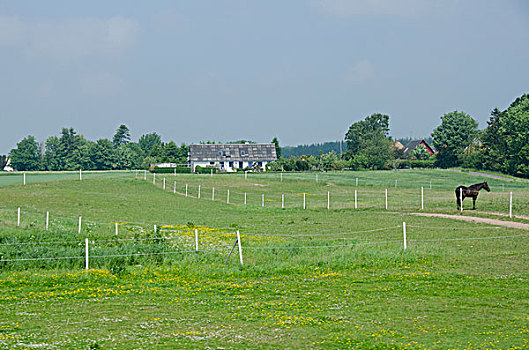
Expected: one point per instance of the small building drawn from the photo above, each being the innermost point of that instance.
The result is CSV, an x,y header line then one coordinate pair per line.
x,y
231,157
412,145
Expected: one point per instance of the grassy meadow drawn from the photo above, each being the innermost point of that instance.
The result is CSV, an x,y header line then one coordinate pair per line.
x,y
311,278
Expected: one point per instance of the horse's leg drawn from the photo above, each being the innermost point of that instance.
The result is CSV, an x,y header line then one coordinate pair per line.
x,y
474,202
458,200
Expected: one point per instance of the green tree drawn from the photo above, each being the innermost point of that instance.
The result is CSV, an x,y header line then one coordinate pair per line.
x,y
52,161
102,154
275,141
122,136
26,156
360,132
513,137
456,132
151,144
3,161
420,152
171,153
368,143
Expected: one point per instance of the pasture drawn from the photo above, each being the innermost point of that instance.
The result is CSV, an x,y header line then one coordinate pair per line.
x,y
311,278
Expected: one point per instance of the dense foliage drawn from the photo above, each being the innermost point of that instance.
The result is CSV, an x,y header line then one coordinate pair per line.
x,y
71,151
314,149
368,142
505,141
455,134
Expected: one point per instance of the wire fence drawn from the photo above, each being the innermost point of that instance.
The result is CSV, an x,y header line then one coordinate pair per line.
x,y
244,240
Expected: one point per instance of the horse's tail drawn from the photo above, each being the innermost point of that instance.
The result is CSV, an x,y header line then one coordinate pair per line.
x,y
459,196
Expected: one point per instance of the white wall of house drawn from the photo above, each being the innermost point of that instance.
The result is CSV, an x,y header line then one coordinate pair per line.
x,y
229,166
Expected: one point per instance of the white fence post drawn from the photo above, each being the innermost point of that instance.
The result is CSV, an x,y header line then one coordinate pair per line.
x,y
80,223
404,234
213,194
281,177
240,247
356,182
174,172
145,174
356,203
283,201
198,191
430,184
244,198
422,198
210,175
47,220
154,178
86,254
395,183
386,199
154,228
80,174
18,218
228,197
262,200
328,200
186,190
24,178
196,240
164,183
303,200
510,205
174,187
116,228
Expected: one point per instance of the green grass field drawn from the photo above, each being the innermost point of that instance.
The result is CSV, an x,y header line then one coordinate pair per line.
x,y
312,278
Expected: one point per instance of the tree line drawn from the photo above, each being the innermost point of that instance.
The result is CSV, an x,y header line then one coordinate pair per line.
x,y
503,145
71,151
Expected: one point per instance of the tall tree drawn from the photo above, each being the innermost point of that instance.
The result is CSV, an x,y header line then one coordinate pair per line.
x,y
151,144
360,132
26,156
275,141
3,161
368,142
456,132
102,154
122,136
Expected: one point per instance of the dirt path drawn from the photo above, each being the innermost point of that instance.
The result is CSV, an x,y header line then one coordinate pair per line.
x,y
496,222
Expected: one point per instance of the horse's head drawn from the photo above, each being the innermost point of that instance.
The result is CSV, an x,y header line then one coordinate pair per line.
x,y
486,186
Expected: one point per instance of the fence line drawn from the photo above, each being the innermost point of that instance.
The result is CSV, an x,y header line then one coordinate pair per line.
x,y
264,247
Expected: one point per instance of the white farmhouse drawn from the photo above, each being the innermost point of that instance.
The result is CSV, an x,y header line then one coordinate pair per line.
x,y
230,157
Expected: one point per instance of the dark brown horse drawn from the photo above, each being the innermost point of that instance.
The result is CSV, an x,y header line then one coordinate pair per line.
x,y
471,191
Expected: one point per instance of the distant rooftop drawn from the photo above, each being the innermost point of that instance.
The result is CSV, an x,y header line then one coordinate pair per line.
x,y
254,152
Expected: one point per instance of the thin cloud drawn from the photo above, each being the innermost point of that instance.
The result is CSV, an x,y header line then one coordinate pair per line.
x,y
70,40
101,84
401,8
361,72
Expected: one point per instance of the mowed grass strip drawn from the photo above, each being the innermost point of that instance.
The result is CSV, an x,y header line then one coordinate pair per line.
x,y
437,294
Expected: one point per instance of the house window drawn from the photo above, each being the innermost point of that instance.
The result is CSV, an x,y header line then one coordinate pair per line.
x,y
242,153
231,164
260,164
220,153
241,165
250,163
222,164
211,163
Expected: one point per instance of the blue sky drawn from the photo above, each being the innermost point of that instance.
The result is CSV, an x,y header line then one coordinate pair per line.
x,y
302,71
